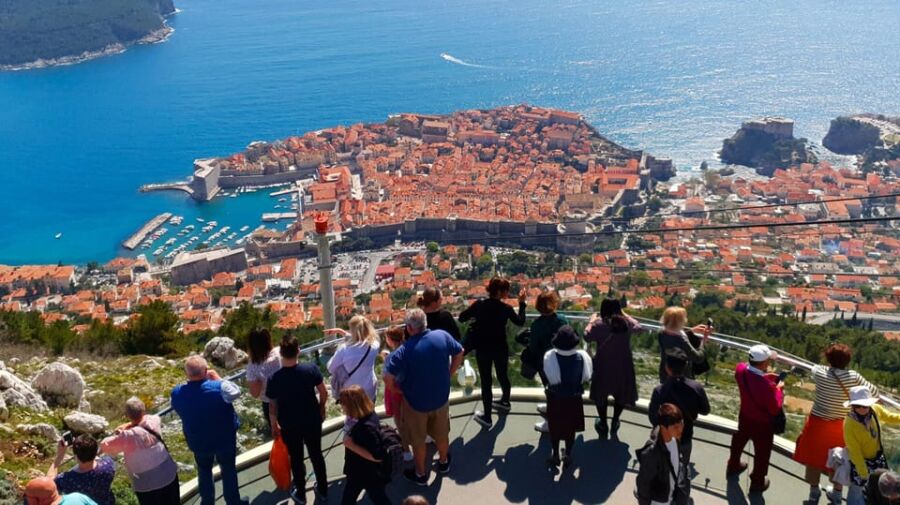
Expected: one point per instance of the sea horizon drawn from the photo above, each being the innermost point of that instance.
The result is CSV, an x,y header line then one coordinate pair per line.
x,y
671,78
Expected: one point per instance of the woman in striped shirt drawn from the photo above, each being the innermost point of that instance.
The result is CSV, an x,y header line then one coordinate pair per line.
x,y
824,428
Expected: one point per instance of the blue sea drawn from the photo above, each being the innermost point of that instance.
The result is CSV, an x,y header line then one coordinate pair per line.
x,y
673,77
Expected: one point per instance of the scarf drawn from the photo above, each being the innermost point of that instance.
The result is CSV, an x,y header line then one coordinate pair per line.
x,y
865,420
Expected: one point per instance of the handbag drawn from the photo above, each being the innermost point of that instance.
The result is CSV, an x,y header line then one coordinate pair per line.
x,y
280,464
778,421
338,379
528,368
700,367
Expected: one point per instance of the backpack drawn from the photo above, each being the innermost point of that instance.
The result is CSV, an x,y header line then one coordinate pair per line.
x,y
392,463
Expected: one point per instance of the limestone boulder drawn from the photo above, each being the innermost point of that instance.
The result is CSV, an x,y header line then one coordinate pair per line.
x,y
4,410
82,422
222,352
60,385
18,393
40,429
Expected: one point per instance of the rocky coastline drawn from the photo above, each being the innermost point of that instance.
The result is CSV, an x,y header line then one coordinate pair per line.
x,y
766,144
155,37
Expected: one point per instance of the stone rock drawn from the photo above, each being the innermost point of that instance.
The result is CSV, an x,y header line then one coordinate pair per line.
x,y
84,405
222,352
14,361
59,384
40,429
17,393
4,411
2,365
81,422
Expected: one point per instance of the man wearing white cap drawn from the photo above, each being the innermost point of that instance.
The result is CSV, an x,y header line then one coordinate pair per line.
x,y
862,434
761,401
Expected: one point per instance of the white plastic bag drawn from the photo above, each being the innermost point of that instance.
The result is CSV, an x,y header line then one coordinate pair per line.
x,y
466,376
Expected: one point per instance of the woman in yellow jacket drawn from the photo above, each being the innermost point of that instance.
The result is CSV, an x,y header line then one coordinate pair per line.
x,y
862,434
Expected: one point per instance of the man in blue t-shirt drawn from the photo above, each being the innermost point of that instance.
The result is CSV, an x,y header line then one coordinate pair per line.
x,y
422,368
210,425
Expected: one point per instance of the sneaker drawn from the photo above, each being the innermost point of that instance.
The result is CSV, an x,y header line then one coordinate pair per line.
x,y
298,496
483,420
761,488
501,406
445,466
428,439
407,456
814,495
736,471
542,409
321,494
542,427
602,429
614,428
835,497
412,476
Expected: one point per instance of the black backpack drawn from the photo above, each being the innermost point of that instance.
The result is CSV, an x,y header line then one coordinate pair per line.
x,y
392,463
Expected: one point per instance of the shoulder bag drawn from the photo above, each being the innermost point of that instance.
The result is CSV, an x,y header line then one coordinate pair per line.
x,y
339,379
778,421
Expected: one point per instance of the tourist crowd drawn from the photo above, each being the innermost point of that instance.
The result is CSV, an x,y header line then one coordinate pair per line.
x,y
841,438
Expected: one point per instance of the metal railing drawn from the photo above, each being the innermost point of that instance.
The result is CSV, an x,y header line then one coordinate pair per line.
x,y
724,340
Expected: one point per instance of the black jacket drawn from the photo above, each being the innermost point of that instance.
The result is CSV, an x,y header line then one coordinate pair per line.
x,y
688,395
653,478
488,332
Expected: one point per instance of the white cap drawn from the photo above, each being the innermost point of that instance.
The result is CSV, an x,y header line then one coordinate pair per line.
x,y
761,352
860,396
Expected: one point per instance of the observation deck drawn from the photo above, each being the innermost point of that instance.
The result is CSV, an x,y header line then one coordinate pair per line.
x,y
507,464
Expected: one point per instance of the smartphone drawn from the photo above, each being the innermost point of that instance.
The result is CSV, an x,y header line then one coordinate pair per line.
x,y
709,323
68,438
783,375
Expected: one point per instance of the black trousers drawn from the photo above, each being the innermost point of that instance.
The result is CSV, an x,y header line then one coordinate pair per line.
x,y
374,488
499,361
295,439
167,495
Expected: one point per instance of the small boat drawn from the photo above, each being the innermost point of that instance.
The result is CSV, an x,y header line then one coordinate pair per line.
x,y
200,219
244,228
58,236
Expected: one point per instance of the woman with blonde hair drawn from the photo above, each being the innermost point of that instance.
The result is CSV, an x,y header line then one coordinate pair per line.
x,y
363,450
354,360
674,335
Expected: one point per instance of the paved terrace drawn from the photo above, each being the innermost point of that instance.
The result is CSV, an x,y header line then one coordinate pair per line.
x,y
507,464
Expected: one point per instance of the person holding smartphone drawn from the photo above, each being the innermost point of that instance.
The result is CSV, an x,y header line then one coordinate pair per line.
x,y
675,335
762,398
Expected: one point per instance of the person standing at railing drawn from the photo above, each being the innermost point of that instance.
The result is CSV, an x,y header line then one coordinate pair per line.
x,y
393,395
264,362
675,335
354,360
567,369
153,472
422,368
438,318
687,394
363,449
824,428
91,475
540,339
862,433
487,337
297,415
611,332
209,423
762,398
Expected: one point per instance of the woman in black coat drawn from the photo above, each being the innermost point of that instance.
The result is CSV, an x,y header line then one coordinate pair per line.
x,y
487,337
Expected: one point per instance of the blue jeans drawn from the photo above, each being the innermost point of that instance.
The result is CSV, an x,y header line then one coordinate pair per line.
x,y
225,458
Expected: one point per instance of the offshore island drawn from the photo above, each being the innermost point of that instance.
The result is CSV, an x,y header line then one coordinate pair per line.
x,y
38,34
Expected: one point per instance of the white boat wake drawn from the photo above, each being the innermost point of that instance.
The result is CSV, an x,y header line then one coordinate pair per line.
x,y
454,59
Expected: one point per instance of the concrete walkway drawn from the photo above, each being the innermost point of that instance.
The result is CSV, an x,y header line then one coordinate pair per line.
x,y
507,465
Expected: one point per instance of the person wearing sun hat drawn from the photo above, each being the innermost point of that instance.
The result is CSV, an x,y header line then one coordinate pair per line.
x,y
567,369
762,398
862,434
